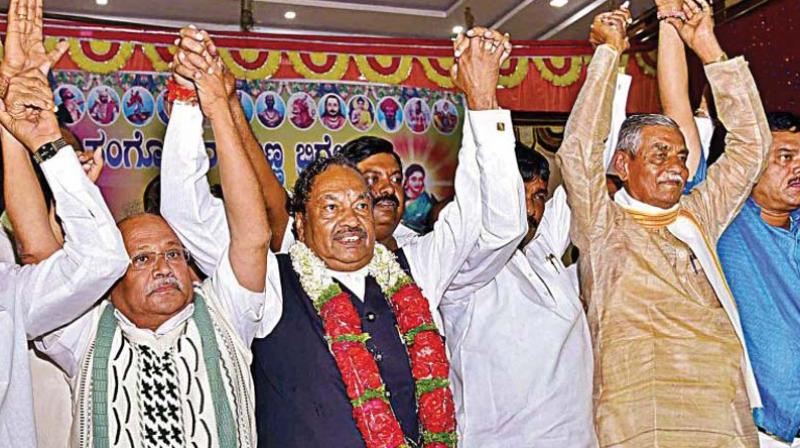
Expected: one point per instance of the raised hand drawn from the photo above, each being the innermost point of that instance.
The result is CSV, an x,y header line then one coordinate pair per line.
x,y
24,45
476,71
92,163
196,54
697,31
611,28
27,111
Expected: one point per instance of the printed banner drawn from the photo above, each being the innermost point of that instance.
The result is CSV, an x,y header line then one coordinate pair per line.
x,y
125,115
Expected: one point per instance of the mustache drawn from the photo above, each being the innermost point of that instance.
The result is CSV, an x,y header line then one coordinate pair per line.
x,y
388,197
349,230
166,281
671,177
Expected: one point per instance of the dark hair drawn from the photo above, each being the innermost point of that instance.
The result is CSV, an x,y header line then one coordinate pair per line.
x,y
152,197
531,164
304,183
364,147
414,168
783,122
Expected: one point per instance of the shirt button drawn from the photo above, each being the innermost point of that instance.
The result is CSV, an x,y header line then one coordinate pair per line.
x,y
378,357
371,316
388,394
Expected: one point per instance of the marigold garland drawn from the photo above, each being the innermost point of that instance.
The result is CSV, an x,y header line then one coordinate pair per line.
x,y
336,71
440,78
517,76
560,80
372,411
159,63
270,66
401,73
112,63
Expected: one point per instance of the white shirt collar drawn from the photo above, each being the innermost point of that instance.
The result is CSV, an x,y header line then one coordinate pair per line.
x,y
171,324
355,281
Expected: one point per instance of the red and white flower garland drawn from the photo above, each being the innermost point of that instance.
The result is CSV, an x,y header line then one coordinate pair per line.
x,y
372,411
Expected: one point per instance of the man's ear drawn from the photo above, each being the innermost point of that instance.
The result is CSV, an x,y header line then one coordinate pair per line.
x,y
299,225
620,162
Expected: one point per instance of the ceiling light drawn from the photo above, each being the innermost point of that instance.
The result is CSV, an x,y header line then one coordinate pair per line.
x,y
102,2
458,29
558,3
289,15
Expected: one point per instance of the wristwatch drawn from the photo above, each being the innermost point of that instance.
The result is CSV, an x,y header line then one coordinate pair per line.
x,y
48,150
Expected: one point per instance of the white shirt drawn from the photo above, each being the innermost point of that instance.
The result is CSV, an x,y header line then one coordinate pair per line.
x,y
242,309
521,357
36,299
488,205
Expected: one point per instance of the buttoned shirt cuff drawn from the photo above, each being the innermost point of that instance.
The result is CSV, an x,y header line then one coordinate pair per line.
x,y
491,125
63,171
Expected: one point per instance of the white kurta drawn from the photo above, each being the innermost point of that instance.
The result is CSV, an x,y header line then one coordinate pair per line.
x,y
520,348
488,206
236,313
36,299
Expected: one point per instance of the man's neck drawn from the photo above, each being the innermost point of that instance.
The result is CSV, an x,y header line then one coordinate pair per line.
x,y
775,218
390,243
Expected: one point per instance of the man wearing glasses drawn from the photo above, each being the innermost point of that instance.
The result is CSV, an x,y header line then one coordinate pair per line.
x,y
163,362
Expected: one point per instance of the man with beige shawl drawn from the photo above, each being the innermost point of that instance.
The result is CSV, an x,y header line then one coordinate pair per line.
x,y
671,369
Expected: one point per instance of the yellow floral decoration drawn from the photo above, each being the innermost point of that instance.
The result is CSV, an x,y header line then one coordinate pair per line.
x,y
269,68
335,73
82,60
567,79
401,74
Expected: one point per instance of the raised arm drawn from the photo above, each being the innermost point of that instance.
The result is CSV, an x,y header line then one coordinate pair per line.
x,y
198,48
25,204
673,81
244,205
476,233
24,57
580,157
729,181
66,284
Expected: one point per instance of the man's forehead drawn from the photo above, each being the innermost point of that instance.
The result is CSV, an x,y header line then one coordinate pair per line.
x,y
147,230
338,180
382,161
786,139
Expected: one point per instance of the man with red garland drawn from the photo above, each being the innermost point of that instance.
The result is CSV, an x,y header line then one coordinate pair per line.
x,y
334,369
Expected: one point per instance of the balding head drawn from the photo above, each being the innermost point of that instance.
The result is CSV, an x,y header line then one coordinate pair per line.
x,y
158,283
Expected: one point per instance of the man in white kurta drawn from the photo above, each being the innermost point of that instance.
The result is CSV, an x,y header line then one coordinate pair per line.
x,y
37,299
162,363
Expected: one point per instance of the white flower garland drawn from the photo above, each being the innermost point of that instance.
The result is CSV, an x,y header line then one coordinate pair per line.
x,y
316,279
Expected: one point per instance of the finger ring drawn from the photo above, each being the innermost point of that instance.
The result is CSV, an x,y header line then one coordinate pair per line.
x,y
23,16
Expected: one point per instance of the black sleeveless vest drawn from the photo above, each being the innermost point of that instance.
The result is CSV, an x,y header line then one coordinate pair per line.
x,y
301,400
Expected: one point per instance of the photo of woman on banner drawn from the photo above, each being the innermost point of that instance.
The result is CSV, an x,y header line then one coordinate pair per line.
x,y
419,115
445,116
332,112
419,202
270,110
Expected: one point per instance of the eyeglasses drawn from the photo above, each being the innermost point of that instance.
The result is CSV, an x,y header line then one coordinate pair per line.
x,y
145,260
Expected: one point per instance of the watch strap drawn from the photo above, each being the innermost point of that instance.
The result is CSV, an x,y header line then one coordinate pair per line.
x,y
48,150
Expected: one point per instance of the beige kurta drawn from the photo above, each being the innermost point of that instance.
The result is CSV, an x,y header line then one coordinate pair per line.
x,y
668,363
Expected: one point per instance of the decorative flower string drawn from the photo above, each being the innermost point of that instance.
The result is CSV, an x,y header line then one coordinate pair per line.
x,y
372,411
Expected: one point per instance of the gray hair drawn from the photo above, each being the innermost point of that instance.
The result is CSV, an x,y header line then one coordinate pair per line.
x,y
630,134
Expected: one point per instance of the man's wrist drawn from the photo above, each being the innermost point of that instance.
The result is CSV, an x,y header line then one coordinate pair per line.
x,y
710,52
483,102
